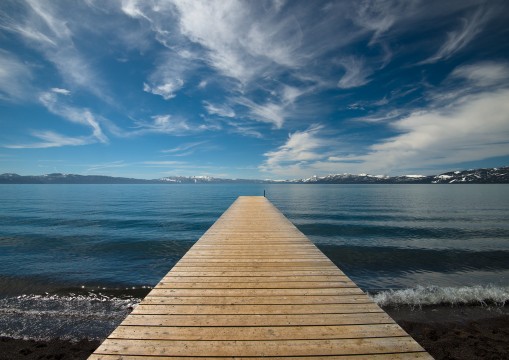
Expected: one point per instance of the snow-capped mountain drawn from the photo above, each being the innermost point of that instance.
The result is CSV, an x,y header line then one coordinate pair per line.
x,y
473,176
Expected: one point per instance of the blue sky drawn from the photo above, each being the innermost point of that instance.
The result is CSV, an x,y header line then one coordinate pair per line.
x,y
253,89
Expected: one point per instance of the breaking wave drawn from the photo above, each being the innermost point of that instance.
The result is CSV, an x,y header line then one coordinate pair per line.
x,y
435,295
69,317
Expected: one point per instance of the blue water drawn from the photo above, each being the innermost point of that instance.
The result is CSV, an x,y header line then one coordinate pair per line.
x,y
120,239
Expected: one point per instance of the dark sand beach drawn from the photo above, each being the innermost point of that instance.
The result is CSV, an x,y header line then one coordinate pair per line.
x,y
465,332
55,349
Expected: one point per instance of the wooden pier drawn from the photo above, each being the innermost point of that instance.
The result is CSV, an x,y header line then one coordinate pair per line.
x,y
254,286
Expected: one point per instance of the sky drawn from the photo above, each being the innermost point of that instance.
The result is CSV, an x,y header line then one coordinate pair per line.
x,y
253,89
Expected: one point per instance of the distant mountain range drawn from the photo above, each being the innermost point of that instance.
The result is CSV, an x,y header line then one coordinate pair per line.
x,y
474,176
58,178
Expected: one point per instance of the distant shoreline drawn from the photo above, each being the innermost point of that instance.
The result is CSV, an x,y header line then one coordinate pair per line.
x,y
498,175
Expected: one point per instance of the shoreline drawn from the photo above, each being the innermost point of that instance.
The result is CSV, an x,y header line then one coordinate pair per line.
x,y
460,332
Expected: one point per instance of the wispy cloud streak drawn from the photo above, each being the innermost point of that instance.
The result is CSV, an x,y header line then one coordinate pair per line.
x,y
356,73
76,115
52,139
300,149
42,26
15,78
220,110
461,37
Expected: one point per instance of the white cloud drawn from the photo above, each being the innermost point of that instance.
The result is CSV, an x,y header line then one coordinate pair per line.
x,y
175,125
167,124
385,115
483,74
379,16
105,166
243,129
220,110
76,115
290,94
472,127
45,28
166,88
157,15
245,41
52,139
457,126
169,75
132,8
15,78
301,149
237,45
280,105
69,113
185,149
476,128
57,27
61,91
459,38
251,44
268,112
173,65
356,73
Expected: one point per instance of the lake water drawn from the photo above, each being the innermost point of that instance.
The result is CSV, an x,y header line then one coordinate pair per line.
x,y
90,251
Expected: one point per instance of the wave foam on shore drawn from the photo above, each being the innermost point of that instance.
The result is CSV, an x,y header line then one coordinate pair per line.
x,y
69,317
435,295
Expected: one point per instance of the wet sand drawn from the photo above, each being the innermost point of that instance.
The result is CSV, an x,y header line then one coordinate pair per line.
x,y
13,349
466,332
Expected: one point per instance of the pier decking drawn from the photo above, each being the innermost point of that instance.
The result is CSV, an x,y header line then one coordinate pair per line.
x,y
255,286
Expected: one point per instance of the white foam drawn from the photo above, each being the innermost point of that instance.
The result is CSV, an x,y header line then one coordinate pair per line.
x,y
70,317
434,295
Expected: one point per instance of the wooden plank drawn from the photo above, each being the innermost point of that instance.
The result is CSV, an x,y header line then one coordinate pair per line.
x,y
271,265
258,300
400,356
269,261
258,285
243,269
176,272
254,286
254,292
255,309
269,253
293,347
259,320
257,333
250,246
267,256
265,279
